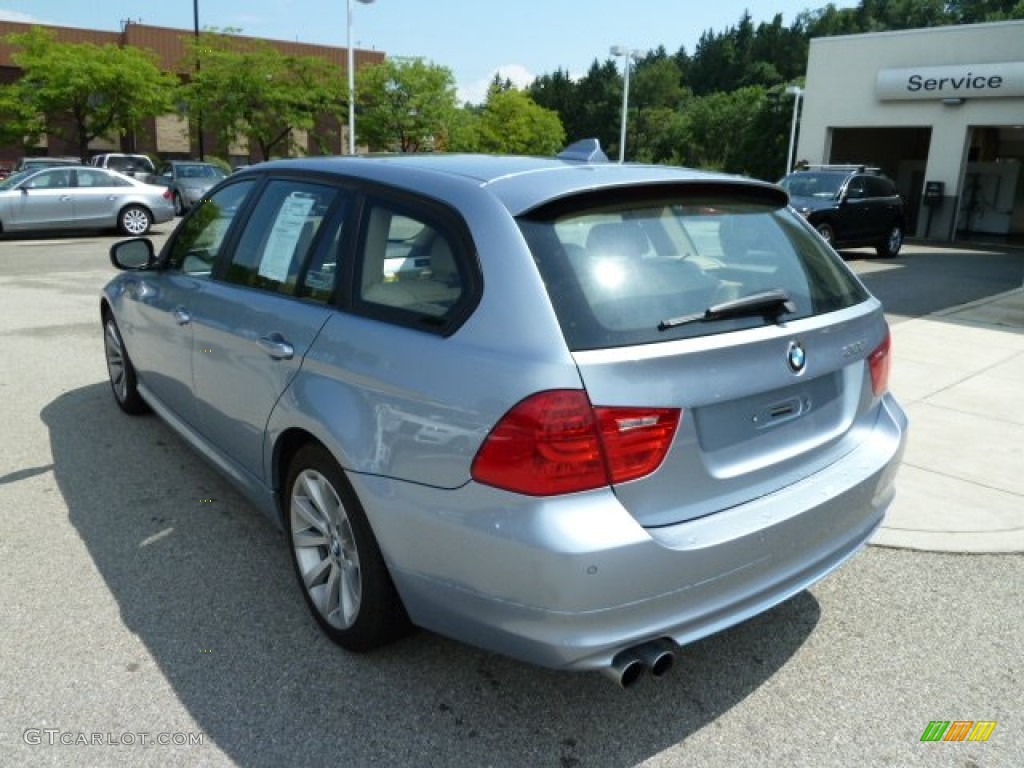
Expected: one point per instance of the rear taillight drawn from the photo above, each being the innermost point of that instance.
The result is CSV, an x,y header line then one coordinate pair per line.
x,y
167,194
878,362
555,442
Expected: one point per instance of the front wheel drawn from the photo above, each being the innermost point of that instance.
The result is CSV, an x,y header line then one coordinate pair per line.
x,y
134,221
826,231
892,243
336,558
120,370
179,205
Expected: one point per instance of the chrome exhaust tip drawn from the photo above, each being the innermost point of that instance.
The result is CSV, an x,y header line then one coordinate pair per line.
x,y
659,656
626,668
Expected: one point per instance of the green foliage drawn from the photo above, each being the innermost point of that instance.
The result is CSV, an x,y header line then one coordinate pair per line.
x,y
405,105
512,123
246,88
724,106
79,92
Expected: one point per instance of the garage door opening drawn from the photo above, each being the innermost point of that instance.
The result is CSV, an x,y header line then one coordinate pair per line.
x,y
901,153
992,200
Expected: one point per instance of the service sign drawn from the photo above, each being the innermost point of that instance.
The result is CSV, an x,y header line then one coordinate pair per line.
x,y
960,81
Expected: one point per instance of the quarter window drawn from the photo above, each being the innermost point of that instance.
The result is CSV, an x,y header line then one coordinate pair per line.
x,y
410,264
274,249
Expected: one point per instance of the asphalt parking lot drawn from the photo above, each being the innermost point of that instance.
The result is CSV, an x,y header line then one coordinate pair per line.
x,y
150,616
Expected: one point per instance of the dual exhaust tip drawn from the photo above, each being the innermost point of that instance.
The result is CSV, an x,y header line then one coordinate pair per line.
x,y
655,656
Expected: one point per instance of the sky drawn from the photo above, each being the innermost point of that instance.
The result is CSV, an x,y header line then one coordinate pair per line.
x,y
474,38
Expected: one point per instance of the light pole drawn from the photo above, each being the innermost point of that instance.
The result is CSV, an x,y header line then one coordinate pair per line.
x,y
199,113
797,92
352,83
627,55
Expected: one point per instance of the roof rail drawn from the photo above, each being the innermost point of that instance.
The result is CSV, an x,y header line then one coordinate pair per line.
x,y
841,167
584,151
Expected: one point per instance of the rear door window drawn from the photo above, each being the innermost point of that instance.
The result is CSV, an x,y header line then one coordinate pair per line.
x,y
273,252
627,273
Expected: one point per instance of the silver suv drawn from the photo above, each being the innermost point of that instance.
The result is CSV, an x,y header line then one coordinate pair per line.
x,y
573,412
138,166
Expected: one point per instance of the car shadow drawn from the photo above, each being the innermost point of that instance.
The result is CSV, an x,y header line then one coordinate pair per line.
x,y
926,280
205,582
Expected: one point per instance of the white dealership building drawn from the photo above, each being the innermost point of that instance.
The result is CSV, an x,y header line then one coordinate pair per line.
x,y
940,110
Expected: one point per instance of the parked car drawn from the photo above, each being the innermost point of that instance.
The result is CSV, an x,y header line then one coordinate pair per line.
x,y
574,412
78,197
136,166
38,163
188,180
849,206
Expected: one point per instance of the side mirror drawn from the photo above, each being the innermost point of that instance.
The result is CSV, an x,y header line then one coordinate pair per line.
x,y
134,254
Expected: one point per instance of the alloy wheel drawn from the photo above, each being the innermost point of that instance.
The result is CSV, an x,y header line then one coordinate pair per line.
x,y
325,549
115,361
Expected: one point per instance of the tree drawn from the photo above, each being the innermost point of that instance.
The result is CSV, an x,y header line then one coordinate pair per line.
x,y
657,82
405,105
559,93
974,11
79,92
721,131
512,123
599,111
248,88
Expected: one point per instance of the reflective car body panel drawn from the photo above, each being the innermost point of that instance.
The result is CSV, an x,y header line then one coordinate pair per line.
x,y
398,310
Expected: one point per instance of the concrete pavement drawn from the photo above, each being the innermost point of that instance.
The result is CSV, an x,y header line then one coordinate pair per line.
x,y
959,374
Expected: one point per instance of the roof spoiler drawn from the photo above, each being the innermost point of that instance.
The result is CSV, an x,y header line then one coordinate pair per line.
x,y
584,151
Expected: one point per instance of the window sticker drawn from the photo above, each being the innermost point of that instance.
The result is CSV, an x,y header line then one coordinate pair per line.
x,y
280,250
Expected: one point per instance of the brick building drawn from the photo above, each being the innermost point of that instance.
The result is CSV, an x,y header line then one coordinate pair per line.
x,y
167,136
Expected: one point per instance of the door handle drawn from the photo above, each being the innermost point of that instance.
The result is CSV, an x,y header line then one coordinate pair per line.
x,y
182,316
277,346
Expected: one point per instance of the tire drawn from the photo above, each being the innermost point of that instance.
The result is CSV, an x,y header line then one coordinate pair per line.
x,y
134,220
336,558
179,205
826,231
889,247
123,382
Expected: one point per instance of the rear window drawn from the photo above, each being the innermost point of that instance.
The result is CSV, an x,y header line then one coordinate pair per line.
x,y
126,163
637,273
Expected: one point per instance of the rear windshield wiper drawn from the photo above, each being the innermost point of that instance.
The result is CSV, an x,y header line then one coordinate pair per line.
x,y
770,304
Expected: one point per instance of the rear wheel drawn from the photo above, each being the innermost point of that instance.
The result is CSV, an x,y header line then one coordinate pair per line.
x,y
336,558
134,220
179,205
121,371
892,243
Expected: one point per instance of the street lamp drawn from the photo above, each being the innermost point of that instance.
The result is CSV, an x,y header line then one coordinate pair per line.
x,y
797,92
199,112
627,54
352,83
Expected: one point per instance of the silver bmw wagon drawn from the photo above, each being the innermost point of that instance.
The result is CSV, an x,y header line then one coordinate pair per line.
x,y
575,412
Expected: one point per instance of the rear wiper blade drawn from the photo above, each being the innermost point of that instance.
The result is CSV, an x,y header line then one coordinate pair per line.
x,y
771,304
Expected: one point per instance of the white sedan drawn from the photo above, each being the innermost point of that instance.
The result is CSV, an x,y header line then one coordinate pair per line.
x,y
76,197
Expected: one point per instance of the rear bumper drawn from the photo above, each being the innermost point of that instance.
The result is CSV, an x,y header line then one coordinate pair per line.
x,y
569,582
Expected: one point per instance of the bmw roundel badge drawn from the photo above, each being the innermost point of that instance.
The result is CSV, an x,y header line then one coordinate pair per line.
x,y
796,357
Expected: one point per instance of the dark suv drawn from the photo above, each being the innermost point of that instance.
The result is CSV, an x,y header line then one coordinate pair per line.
x,y
849,205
